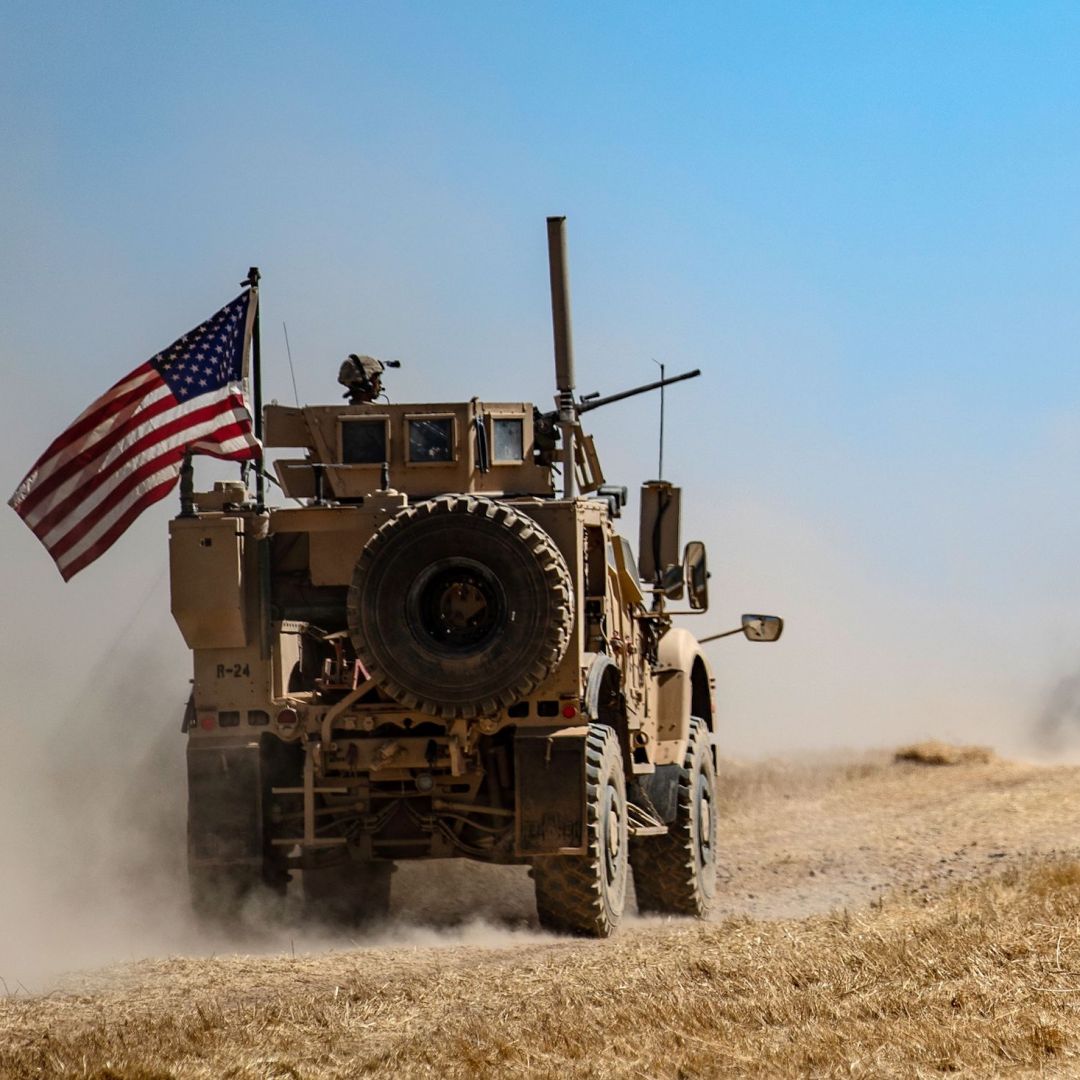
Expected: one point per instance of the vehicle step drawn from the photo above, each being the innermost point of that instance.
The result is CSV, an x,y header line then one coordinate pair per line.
x,y
641,822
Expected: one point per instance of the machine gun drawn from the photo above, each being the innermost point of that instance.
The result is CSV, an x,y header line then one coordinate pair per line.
x,y
588,402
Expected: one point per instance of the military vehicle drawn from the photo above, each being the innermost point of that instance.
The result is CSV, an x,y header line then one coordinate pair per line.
x,y
435,653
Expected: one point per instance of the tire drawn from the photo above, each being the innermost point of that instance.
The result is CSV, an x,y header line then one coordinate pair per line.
x,y
460,606
675,874
230,851
348,894
586,894
218,893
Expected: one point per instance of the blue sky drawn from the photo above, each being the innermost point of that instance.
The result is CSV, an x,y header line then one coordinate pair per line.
x,y
859,219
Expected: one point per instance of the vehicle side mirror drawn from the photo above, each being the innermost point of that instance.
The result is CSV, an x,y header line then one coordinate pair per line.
x,y
762,627
696,575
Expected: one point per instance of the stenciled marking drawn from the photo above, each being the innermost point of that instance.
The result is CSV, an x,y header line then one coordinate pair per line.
x,y
233,671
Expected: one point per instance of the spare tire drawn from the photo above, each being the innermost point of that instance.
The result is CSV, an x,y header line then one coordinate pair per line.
x,y
460,606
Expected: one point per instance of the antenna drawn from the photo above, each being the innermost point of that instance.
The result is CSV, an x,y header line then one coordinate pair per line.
x,y
660,467
295,395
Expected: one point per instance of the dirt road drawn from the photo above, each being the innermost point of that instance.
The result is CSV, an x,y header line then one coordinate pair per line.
x,y
801,838
809,839
979,976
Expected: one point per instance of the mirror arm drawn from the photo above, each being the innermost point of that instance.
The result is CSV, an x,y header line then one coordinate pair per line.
x,y
673,614
717,637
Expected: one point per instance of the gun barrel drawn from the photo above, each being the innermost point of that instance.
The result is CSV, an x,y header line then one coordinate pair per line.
x,y
595,403
560,304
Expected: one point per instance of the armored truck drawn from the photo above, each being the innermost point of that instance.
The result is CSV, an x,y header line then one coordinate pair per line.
x,y
444,647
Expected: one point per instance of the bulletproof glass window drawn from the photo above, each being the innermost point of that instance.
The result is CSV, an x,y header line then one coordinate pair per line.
x,y
363,442
508,440
431,440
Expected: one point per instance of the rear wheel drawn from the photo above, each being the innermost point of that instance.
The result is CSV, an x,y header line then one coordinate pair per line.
x,y
348,893
675,874
585,894
218,893
231,855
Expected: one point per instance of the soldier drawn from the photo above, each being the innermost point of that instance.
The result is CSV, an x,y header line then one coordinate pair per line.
x,y
362,377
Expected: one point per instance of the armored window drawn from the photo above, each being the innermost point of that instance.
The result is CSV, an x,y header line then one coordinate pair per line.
x,y
363,442
508,440
431,440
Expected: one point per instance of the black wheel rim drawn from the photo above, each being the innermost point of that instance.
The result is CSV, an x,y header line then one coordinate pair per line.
x,y
457,605
613,846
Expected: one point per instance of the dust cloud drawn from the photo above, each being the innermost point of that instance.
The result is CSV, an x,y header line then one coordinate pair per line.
x,y
1057,730
93,801
93,796
95,873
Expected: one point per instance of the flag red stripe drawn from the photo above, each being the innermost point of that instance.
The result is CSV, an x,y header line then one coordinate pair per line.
x,y
86,459
83,526
251,448
107,405
110,537
92,481
251,452
157,435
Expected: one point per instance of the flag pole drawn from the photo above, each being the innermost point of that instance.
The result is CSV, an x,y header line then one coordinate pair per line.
x,y
256,391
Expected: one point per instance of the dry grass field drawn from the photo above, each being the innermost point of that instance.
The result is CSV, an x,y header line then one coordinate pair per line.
x,y
960,955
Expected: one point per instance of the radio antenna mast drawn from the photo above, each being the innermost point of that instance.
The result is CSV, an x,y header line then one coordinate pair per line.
x,y
292,372
660,467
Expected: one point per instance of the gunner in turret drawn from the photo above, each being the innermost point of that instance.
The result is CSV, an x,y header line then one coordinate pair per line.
x,y
362,377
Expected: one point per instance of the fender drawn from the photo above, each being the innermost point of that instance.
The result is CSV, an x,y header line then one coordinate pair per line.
x,y
593,682
684,688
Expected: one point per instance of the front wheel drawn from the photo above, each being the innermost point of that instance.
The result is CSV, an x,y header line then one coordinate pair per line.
x,y
585,894
675,874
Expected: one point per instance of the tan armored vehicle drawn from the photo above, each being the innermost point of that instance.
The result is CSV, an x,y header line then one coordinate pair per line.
x,y
434,653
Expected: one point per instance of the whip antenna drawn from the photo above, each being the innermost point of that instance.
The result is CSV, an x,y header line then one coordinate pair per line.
x,y
660,468
296,396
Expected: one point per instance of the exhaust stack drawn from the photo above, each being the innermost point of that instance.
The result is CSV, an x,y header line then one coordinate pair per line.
x,y
564,346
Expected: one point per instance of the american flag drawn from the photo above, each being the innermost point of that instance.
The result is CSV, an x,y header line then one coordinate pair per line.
x,y
124,452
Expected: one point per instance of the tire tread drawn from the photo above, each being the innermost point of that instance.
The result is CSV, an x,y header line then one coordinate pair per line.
x,y
557,585
569,896
665,867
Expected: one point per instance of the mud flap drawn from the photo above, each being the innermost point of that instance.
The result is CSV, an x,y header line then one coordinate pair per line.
x,y
549,769
225,817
